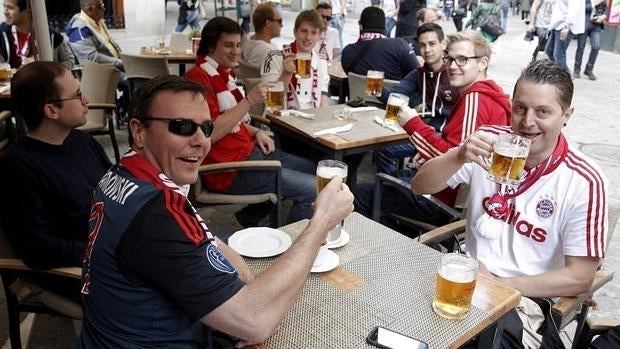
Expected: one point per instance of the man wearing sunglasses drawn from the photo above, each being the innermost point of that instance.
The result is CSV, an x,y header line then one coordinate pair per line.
x,y
234,139
328,46
267,25
47,177
154,275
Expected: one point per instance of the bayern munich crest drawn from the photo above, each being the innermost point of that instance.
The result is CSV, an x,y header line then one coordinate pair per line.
x,y
545,208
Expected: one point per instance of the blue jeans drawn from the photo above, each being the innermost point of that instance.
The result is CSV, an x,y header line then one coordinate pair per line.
x,y
387,157
192,20
504,16
556,48
390,23
338,23
298,184
594,33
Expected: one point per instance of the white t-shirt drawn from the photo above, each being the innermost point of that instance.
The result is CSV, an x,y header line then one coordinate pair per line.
x,y
562,213
255,51
328,42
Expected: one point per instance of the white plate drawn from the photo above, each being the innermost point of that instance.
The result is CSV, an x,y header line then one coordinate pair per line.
x,y
344,239
259,242
329,263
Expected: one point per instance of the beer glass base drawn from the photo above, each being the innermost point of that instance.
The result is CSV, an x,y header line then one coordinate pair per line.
x,y
502,180
446,314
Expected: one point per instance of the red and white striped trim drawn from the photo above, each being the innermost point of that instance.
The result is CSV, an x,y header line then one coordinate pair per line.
x,y
471,115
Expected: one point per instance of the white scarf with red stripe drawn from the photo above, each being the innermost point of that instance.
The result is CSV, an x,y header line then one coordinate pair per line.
x,y
300,94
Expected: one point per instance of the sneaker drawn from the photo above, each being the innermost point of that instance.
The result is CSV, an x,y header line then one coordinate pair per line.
x,y
590,75
576,75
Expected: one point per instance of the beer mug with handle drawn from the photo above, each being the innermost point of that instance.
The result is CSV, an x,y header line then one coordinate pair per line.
x,y
325,171
456,280
509,154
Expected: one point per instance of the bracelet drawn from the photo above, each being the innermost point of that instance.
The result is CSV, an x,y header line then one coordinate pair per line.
x,y
247,98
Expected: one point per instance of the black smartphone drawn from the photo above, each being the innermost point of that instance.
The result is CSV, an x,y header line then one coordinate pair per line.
x,y
387,339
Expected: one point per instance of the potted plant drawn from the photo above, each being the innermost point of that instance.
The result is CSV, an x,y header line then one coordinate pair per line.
x,y
194,37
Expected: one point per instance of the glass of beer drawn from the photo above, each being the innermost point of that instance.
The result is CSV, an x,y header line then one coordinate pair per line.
x,y
325,171
374,83
302,63
5,73
275,96
395,100
455,285
509,154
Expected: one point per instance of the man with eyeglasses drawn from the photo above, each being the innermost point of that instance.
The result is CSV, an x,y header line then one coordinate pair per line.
x,y
267,25
481,102
47,178
328,46
236,140
154,275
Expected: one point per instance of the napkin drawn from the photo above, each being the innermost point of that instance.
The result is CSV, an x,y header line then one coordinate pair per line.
x,y
5,88
290,112
393,127
332,130
361,109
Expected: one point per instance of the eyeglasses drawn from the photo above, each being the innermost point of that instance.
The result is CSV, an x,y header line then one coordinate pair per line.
x,y
279,20
460,60
185,127
327,18
78,95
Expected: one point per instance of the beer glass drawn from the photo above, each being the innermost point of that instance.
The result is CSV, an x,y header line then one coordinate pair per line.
x,y
455,285
374,83
509,154
325,171
395,100
5,73
275,96
302,63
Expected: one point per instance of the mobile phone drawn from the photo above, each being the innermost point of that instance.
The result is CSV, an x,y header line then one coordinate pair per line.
x,y
387,339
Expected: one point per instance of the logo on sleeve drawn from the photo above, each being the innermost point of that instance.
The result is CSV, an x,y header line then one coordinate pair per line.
x,y
218,261
545,208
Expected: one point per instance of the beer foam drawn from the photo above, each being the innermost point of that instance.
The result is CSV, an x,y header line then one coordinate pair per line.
x,y
456,272
511,151
329,172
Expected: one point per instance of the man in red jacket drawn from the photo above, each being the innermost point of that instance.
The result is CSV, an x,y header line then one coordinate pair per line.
x,y
481,102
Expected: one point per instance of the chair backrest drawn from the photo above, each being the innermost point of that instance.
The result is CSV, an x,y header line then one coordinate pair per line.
x,y
246,70
357,87
179,42
145,67
99,85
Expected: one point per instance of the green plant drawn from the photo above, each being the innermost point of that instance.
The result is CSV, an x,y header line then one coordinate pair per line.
x,y
194,33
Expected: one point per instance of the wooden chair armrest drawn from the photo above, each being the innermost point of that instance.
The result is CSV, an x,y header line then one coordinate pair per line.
x,y
441,233
567,305
598,325
18,264
101,106
5,115
240,165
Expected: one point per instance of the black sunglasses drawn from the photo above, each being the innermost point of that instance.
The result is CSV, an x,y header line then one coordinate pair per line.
x,y
279,20
327,18
185,127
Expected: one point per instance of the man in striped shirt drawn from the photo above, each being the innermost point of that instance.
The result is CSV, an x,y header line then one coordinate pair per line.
x,y
546,236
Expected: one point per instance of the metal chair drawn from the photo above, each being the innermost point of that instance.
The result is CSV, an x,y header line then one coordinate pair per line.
x,y
202,196
357,88
99,86
23,296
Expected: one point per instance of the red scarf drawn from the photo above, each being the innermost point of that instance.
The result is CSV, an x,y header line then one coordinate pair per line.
x,y
496,205
294,87
175,200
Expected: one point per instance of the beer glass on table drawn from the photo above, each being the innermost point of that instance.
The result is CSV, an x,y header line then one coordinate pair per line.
x,y
374,83
5,73
455,285
395,101
303,64
325,171
509,154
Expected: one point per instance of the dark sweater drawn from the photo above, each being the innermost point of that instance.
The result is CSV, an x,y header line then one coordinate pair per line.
x,y
46,195
391,56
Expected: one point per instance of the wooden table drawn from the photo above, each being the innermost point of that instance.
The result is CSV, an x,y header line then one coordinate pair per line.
x,y
174,57
384,279
366,135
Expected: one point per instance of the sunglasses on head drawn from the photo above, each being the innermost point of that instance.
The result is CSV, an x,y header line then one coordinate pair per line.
x,y
185,127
